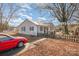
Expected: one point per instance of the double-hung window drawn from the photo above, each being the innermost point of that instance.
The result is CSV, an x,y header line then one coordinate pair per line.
x,y
23,29
31,28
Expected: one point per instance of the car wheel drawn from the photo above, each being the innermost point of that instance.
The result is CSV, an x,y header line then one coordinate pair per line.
x,y
20,44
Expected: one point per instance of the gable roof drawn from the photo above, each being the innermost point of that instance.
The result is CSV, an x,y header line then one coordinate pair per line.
x,y
36,23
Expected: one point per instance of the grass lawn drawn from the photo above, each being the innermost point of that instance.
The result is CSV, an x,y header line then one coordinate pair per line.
x,y
53,47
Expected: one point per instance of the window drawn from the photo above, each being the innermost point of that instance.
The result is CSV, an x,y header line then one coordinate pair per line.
x,y
31,28
3,38
23,28
41,28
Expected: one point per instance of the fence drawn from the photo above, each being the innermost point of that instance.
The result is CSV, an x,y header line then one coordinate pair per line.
x,y
74,38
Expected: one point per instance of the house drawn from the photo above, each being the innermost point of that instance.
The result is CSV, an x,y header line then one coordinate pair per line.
x,y
72,27
31,27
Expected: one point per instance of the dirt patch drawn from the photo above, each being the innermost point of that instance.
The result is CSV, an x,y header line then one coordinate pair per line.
x,y
52,47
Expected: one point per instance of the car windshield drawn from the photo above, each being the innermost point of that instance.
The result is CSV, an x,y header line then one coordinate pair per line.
x,y
3,37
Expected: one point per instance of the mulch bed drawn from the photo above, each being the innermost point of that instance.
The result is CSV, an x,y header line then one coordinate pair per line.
x,y
53,47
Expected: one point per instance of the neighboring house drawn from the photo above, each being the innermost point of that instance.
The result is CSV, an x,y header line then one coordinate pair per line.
x,y
77,31
31,27
74,27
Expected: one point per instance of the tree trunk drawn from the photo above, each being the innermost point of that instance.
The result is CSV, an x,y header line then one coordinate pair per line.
x,y
66,28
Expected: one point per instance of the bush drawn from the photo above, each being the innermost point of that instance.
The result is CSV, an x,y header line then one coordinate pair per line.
x,y
3,27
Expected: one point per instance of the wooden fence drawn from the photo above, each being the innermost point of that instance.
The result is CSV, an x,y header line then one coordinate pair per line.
x,y
74,38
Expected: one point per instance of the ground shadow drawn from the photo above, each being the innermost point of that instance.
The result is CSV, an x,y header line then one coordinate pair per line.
x,y
11,52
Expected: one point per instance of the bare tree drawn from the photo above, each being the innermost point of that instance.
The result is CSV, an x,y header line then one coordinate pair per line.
x,y
62,11
7,12
1,16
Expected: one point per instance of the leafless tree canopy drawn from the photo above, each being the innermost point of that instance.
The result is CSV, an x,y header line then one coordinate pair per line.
x,y
62,11
7,13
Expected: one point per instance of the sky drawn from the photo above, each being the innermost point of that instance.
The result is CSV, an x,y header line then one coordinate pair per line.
x,y
32,12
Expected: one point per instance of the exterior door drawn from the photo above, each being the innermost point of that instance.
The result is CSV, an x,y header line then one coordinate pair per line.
x,y
45,30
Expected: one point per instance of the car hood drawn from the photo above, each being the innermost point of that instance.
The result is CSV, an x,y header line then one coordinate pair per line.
x,y
20,37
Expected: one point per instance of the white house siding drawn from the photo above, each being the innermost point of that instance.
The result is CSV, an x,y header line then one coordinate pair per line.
x,y
27,24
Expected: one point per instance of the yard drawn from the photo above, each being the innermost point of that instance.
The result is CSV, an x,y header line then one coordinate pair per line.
x,y
53,47
47,47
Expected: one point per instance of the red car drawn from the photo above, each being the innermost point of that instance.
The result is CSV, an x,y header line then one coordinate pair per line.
x,y
7,42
